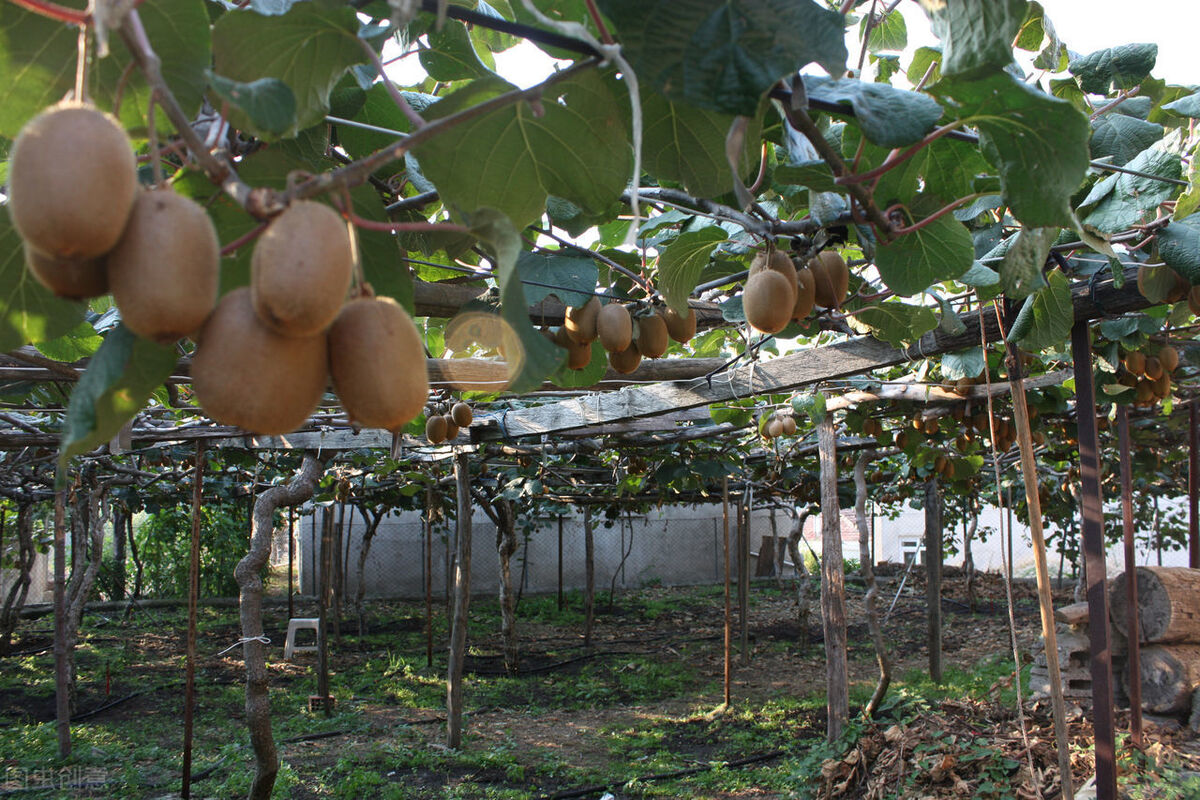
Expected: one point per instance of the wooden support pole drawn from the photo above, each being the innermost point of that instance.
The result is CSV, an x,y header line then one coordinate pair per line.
x,y
833,585
744,507
291,560
560,562
189,692
62,677
462,600
1092,507
1134,656
933,574
326,582
429,576
589,587
1194,486
728,670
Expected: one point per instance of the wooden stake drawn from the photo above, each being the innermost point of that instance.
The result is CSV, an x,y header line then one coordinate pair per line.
x,y
462,600
589,590
1193,486
728,604
189,693
560,562
291,561
62,678
1134,654
745,507
429,576
833,585
327,547
933,573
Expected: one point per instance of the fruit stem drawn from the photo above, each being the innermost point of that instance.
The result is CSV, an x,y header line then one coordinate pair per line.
x,y
54,11
605,36
245,238
896,158
397,97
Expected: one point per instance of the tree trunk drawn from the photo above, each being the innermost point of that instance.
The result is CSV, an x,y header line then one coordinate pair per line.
x,y
1170,675
249,579
462,601
933,575
968,556
589,568
804,581
833,586
506,547
137,566
14,598
119,514
371,519
868,573
1168,601
88,531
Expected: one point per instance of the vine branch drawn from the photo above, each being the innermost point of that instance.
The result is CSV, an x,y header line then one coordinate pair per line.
x,y
55,11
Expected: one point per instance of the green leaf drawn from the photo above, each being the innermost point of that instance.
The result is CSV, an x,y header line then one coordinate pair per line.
x,y
1188,203
963,364
812,405
117,383
1157,283
268,102
1122,200
309,48
922,58
1038,143
590,375
451,55
380,110
1122,67
572,279
893,322
1121,137
948,322
1179,247
889,32
976,35
724,55
29,312
82,341
1021,269
889,117
510,159
814,175
685,143
1188,106
940,251
979,275
680,265
1053,315
539,357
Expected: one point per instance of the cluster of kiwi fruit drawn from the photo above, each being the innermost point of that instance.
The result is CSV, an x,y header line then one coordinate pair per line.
x,y
626,336
777,292
776,424
443,425
1149,375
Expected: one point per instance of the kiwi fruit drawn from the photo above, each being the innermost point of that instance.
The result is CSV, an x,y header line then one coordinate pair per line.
x,y
1193,300
831,278
789,425
246,374
776,261
74,279
1153,369
435,429
301,269
614,327
451,428
1180,290
1162,386
1135,362
625,361
578,355
377,362
1144,391
931,426
1168,356
681,327
652,338
580,321
775,427
164,271
768,301
462,415
806,294
71,182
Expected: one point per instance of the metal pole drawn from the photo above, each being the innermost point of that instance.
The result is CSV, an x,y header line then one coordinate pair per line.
x,y
728,606
189,693
62,689
1092,507
1135,674
429,576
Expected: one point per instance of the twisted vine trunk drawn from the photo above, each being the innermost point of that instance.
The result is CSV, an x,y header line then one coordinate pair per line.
x,y
804,580
249,579
14,598
372,518
506,547
968,556
87,533
868,573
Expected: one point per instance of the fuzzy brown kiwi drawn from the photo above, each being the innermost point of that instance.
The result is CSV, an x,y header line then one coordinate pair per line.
x,y
806,294
776,261
681,327
652,338
1135,362
1168,356
625,361
931,426
462,415
1162,386
1153,369
68,277
789,425
578,355
301,269
580,321
164,271
451,428
1180,290
614,327
831,278
435,429
768,301
71,182
377,362
775,427
248,375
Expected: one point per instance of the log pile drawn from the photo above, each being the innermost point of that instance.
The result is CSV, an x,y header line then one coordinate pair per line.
x,y
1074,655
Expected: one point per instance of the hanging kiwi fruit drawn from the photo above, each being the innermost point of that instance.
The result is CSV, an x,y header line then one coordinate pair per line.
x,y
580,321
806,294
462,415
652,335
768,301
579,354
614,327
681,327
70,278
627,360
831,278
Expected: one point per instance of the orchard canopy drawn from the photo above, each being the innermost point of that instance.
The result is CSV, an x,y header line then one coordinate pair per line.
x,y
999,186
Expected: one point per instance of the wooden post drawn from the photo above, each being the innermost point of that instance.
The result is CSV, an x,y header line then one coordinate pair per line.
x,y
326,583
1096,572
291,562
1193,486
933,573
560,562
589,588
189,693
429,576
1134,656
744,507
462,600
833,586
728,605
62,678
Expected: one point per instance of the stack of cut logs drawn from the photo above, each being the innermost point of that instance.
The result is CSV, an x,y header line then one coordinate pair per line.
x,y
1074,655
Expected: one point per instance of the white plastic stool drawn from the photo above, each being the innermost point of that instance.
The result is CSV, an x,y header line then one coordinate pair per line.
x,y
299,624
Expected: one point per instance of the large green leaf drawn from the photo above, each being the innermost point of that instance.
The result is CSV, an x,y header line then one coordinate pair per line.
x,y
963,364
1024,258
1053,315
380,110
889,117
1188,106
29,312
575,146
539,357
1122,67
939,251
117,383
37,62
888,32
308,48
570,278
680,265
451,55
977,35
1038,143
1122,137
724,55
1179,247
684,143
1122,200
268,102
894,322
